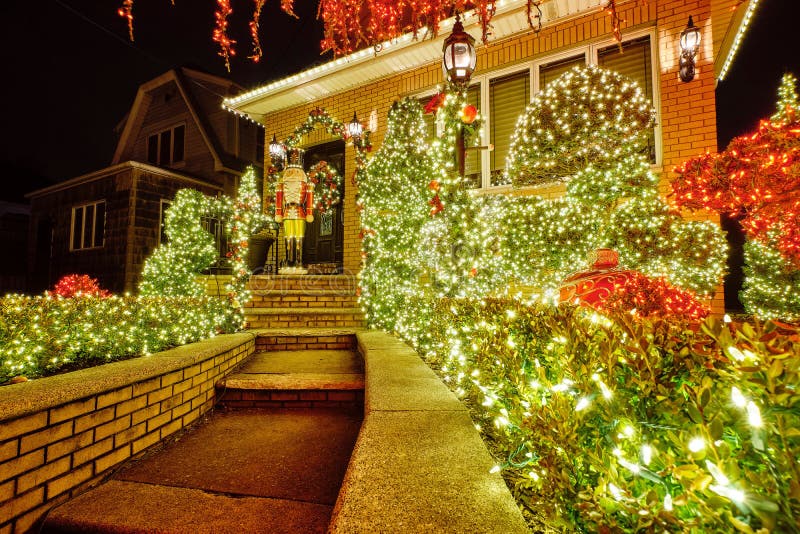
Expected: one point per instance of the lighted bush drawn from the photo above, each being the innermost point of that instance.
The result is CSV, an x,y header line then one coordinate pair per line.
x,y
79,285
631,425
45,335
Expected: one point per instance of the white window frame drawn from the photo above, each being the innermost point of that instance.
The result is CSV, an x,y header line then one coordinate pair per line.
x,y
590,52
158,133
72,222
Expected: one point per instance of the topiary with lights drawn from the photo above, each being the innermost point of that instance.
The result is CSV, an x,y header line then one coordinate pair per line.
x,y
588,129
756,180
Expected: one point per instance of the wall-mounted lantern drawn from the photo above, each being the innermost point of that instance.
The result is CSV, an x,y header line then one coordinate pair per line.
x,y
690,44
459,57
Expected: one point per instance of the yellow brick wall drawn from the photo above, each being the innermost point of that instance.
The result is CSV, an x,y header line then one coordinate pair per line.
x,y
687,114
58,451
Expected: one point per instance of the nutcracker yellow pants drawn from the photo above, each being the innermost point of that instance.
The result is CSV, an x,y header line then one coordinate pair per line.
x,y
294,228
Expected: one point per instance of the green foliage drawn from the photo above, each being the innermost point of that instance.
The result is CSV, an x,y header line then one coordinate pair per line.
x,y
787,100
45,335
247,218
772,283
173,268
585,117
588,128
629,426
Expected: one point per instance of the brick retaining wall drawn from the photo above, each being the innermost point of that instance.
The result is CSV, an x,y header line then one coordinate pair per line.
x,y
62,434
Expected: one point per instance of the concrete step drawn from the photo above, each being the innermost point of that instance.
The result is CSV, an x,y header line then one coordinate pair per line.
x,y
318,338
240,471
296,379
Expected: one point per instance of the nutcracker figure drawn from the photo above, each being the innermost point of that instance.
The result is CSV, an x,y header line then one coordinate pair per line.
x,y
294,207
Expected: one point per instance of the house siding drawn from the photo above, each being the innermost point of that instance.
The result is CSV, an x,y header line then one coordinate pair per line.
x,y
687,111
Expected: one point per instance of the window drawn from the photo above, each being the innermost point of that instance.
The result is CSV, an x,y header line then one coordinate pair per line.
x,y
167,147
88,226
503,96
508,97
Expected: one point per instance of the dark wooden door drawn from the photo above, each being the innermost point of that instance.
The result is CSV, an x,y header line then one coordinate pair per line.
x,y
324,241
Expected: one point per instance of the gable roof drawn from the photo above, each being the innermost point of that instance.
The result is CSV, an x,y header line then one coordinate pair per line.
x,y
181,78
730,18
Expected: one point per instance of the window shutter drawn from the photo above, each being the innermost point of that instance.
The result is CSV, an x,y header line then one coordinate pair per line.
x,y
550,71
633,62
508,97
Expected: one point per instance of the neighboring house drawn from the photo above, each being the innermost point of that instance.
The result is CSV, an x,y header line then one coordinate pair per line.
x,y
14,219
105,223
511,69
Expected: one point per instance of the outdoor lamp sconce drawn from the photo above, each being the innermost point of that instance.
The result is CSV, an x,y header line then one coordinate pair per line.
x,y
355,128
690,43
277,151
458,61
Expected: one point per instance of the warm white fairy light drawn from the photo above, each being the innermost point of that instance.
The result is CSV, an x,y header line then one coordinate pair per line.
x,y
737,398
696,444
754,415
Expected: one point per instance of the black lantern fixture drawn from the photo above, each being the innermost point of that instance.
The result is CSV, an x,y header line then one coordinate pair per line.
x,y
354,128
459,58
690,44
277,151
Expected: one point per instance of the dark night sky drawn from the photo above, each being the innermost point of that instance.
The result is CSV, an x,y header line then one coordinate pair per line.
x,y
70,73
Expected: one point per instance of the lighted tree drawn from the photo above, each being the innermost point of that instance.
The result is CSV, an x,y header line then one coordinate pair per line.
x,y
756,180
589,129
173,267
393,198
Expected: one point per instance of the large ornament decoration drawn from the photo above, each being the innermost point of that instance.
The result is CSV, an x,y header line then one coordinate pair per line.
x,y
597,283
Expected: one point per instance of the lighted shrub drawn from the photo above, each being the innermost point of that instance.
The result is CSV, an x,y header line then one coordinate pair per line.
x,y
630,425
79,285
45,335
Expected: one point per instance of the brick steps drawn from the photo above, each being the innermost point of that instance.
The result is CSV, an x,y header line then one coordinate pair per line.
x,y
297,377
297,301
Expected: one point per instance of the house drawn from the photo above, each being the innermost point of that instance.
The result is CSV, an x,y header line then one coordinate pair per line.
x,y
105,223
515,64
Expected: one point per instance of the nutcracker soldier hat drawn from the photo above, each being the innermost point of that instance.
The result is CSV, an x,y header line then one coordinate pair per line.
x,y
294,157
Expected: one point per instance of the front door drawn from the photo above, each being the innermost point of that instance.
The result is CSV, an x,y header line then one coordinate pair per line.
x,y
324,239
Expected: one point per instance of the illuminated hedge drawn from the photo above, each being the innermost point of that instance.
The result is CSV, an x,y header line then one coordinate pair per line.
x,y
46,335
631,425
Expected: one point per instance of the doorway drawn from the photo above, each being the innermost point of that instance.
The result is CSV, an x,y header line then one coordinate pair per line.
x,y
324,239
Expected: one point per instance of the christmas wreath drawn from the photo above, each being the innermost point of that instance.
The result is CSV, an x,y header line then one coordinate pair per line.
x,y
327,186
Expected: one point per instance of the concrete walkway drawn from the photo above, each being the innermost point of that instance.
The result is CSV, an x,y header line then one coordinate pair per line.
x,y
241,470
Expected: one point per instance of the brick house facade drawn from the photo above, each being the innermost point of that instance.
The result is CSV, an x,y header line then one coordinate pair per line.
x,y
368,84
105,223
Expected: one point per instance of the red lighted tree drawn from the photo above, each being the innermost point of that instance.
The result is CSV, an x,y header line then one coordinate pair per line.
x,y
756,179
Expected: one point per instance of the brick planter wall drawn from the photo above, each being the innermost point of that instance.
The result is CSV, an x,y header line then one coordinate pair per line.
x,y
62,434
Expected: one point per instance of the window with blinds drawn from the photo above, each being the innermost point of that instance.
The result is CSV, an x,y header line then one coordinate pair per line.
x,y
550,71
472,159
633,61
508,97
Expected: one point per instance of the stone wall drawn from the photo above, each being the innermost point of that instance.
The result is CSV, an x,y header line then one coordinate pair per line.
x,y
62,434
